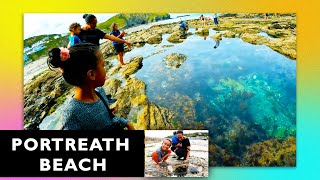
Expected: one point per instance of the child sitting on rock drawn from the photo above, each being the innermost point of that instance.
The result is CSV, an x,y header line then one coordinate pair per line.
x,y
161,154
82,66
74,29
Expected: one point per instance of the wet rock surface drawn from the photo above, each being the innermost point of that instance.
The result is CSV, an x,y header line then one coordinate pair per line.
x,y
217,36
42,96
154,39
131,67
177,36
132,103
203,32
175,60
247,27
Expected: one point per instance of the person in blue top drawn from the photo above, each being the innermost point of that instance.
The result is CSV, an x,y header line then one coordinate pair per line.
x,y
118,46
74,29
175,139
183,25
90,34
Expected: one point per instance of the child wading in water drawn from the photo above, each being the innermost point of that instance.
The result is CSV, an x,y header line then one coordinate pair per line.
x,y
82,66
162,153
74,29
118,46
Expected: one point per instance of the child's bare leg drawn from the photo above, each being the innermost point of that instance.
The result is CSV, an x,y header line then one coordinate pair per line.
x,y
120,57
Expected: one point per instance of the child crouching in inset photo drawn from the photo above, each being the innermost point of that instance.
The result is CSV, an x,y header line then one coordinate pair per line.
x,y
161,154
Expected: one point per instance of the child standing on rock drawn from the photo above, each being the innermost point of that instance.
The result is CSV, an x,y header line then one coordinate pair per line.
x,y
162,153
203,21
215,19
118,46
74,29
82,66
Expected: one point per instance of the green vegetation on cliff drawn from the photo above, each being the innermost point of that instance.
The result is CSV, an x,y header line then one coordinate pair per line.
x,y
132,19
48,42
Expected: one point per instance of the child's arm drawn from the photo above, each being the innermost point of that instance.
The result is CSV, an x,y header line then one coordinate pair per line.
x,y
166,156
121,34
155,157
188,152
130,126
175,146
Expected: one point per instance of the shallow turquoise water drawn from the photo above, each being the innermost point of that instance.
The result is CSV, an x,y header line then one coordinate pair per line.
x,y
241,93
235,83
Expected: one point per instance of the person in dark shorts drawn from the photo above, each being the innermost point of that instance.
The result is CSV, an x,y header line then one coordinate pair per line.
x,y
182,148
90,34
215,20
118,46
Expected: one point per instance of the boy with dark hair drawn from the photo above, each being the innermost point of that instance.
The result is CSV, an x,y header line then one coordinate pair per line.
x,y
162,153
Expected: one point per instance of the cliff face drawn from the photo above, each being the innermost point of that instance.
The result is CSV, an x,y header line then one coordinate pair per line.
x,y
132,19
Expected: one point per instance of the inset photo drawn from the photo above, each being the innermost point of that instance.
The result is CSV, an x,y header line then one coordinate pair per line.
x,y
176,153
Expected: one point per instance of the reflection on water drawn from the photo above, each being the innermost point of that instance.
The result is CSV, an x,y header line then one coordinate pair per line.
x,y
223,88
235,80
217,43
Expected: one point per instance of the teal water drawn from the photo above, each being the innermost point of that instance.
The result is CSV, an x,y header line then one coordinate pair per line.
x,y
231,90
241,93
